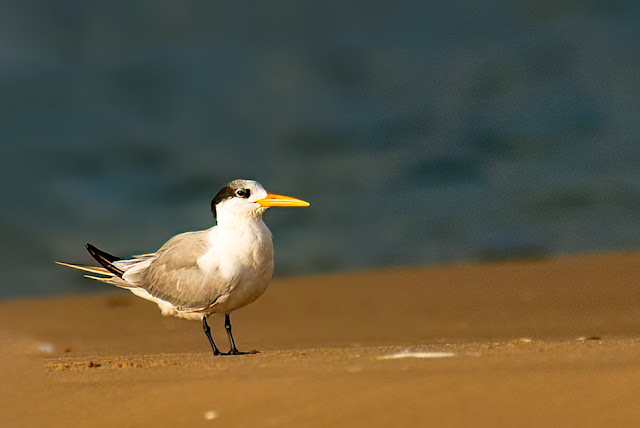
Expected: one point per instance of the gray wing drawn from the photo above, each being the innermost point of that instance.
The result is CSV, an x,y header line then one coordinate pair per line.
x,y
174,276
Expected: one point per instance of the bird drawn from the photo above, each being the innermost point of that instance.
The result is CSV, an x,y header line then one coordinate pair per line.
x,y
196,274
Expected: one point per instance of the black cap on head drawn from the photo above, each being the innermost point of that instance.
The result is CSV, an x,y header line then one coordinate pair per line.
x,y
227,192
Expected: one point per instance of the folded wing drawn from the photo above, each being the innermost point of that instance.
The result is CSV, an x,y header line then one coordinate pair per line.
x,y
172,274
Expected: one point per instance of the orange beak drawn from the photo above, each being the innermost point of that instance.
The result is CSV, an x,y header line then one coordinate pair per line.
x,y
273,200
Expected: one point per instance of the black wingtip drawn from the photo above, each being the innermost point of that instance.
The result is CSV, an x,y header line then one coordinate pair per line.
x,y
105,259
109,257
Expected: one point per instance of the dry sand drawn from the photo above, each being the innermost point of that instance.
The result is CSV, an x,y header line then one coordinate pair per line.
x,y
551,342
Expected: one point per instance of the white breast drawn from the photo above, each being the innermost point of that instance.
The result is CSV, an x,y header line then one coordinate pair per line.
x,y
243,256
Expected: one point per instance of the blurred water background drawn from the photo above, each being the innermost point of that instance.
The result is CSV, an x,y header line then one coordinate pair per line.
x,y
421,132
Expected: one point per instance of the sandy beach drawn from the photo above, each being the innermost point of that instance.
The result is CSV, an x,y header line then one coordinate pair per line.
x,y
533,343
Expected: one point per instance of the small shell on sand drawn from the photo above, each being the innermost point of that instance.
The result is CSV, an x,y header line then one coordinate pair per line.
x,y
210,415
417,354
46,348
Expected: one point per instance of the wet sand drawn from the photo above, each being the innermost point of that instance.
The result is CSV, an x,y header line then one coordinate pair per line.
x,y
547,342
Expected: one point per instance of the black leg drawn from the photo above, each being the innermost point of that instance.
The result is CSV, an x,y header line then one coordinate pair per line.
x,y
233,350
207,331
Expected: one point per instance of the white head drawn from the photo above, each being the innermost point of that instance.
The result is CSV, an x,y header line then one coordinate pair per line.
x,y
247,198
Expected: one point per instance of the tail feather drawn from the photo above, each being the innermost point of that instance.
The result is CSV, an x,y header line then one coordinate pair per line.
x,y
108,277
105,259
93,269
113,280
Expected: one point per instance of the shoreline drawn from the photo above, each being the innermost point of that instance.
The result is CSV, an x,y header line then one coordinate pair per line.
x,y
526,343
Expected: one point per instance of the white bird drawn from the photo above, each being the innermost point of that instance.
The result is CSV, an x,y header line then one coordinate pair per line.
x,y
196,274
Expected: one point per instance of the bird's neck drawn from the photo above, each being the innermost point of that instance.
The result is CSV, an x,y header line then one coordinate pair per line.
x,y
241,234
239,220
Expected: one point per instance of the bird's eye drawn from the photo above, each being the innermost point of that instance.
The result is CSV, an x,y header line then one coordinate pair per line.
x,y
243,193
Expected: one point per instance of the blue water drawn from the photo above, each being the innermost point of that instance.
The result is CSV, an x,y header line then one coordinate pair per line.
x,y
420,133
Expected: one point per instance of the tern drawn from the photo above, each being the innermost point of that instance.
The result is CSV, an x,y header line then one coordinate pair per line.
x,y
196,274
